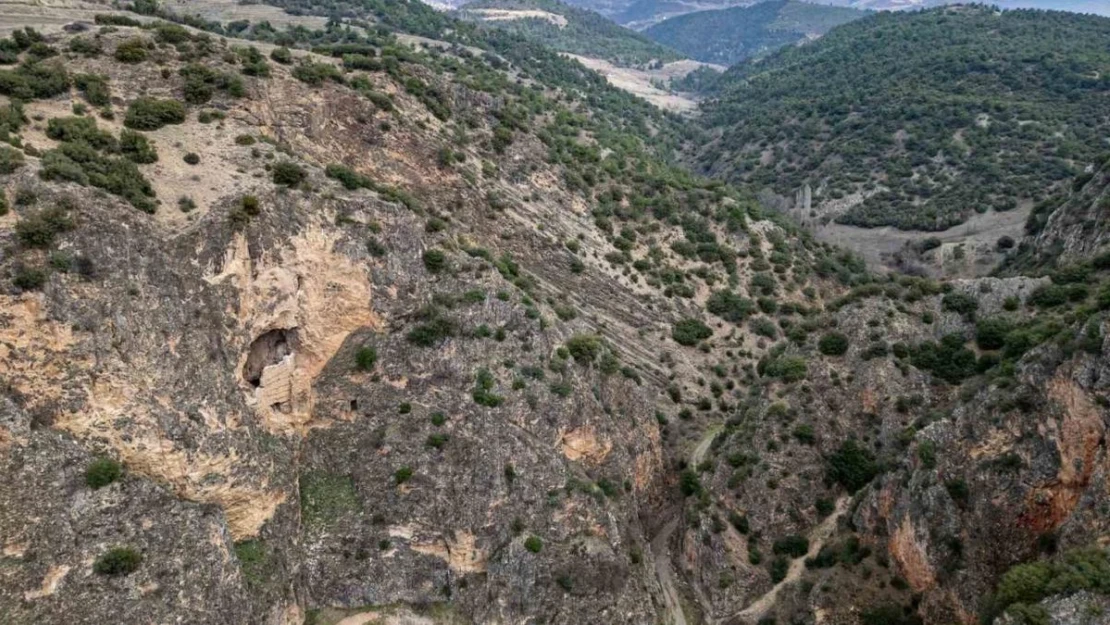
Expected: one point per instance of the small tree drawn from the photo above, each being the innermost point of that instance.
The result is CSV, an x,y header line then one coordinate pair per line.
x,y
533,544
833,344
288,174
435,261
690,332
366,358
102,472
118,561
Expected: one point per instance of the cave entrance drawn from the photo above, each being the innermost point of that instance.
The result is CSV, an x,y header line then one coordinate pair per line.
x,y
267,350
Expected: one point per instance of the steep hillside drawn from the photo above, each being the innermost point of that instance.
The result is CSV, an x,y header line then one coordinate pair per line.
x,y
732,35
568,29
405,321
917,119
642,14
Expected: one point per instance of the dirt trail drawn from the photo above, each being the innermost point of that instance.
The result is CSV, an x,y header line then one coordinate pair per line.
x,y
817,538
660,549
660,545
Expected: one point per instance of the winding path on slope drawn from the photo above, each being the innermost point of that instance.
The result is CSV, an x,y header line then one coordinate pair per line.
x,y
817,538
660,545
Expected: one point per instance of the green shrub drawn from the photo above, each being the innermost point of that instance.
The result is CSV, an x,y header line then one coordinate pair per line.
x,y
102,472
437,440
282,55
192,158
991,333
39,228
786,368
316,74
833,344
10,160
779,568
949,360
152,114
763,326
483,390
690,332
852,466
81,129
402,475
29,278
118,561
435,261
805,434
288,174
131,51
250,205
793,545
584,348
533,544
433,331
961,303
690,482
365,358
30,81
137,148
81,163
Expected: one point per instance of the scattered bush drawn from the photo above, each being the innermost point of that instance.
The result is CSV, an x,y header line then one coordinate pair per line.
x,y
833,344
786,368
584,348
118,561
852,466
366,358
192,158
402,475
282,55
10,160
483,394
288,174
961,303
991,333
533,544
102,472
152,114
131,51
793,545
690,332
29,278
435,261
137,148
38,229
316,74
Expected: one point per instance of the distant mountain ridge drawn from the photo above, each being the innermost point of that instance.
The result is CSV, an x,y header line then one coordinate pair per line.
x,y
729,36
642,14
570,29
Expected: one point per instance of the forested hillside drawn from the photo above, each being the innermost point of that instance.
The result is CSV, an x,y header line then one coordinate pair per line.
x,y
917,119
731,35
580,31
383,317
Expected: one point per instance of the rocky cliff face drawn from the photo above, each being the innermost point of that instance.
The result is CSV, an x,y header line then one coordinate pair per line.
x,y
385,350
